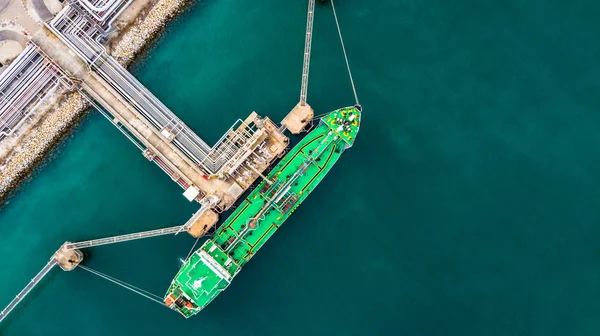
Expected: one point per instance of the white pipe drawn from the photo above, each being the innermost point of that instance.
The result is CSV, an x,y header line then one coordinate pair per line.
x,y
58,82
97,9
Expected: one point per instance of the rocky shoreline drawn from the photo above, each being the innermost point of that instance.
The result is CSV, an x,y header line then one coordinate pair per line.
x,y
42,137
145,29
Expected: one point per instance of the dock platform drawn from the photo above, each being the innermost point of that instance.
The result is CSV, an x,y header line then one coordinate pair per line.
x,y
68,258
297,120
201,223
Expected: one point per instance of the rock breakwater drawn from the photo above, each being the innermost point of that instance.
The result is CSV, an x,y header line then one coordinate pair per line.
x,y
145,29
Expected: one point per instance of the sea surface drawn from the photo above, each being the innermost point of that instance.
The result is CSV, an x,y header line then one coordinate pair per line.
x,y
469,204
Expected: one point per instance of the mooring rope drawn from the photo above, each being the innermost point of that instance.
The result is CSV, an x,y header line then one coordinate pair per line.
x,y
320,116
196,242
125,285
192,249
337,23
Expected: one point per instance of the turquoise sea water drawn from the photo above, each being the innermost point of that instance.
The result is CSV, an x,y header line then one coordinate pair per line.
x,y
468,206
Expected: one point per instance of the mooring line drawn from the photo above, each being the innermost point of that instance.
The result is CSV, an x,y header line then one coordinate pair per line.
x,y
337,23
192,249
128,284
125,285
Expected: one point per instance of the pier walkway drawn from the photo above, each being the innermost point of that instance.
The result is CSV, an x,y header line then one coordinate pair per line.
x,y
36,279
307,48
125,237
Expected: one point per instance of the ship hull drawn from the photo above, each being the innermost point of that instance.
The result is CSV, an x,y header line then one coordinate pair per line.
x,y
213,266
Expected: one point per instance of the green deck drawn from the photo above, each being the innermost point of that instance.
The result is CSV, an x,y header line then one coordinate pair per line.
x,y
212,267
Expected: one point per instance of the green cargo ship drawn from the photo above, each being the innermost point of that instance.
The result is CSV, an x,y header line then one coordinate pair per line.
x,y
211,268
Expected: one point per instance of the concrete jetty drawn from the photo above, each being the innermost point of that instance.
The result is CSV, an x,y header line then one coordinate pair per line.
x,y
225,170
42,123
